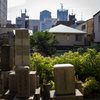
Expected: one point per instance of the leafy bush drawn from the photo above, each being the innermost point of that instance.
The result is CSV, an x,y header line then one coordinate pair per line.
x,y
52,85
43,66
91,87
86,65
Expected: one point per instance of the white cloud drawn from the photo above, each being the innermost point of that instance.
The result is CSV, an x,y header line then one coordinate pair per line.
x,y
13,3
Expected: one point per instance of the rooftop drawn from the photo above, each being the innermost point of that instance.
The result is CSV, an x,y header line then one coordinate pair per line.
x,y
65,29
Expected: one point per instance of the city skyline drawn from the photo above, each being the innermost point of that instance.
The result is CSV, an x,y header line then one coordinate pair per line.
x,y
83,9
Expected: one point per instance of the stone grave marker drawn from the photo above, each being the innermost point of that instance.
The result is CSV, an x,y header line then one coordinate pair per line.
x,y
65,84
23,82
5,57
13,82
22,48
65,80
6,63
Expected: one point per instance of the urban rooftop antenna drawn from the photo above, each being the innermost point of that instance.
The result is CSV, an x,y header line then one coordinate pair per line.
x,y
61,6
21,11
72,12
81,15
25,11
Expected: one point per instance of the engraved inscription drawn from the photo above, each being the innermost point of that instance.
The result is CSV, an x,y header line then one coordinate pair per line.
x,y
22,48
25,50
23,82
65,77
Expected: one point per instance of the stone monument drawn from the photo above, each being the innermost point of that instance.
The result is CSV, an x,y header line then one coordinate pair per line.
x,y
22,82
5,57
65,84
6,63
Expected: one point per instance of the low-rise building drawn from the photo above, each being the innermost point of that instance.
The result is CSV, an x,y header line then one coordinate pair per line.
x,y
68,37
87,26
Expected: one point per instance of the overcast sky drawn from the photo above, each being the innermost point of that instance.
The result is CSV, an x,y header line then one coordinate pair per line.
x,y
86,8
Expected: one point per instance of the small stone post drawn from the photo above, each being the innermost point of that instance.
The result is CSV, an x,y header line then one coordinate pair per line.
x,y
46,93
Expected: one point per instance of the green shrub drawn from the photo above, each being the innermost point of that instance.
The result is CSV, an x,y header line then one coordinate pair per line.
x,y
52,85
86,65
91,87
43,66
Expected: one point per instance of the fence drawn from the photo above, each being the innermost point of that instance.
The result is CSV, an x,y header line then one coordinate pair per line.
x,y
97,47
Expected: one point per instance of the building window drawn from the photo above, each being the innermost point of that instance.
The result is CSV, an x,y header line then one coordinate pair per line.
x,y
83,27
67,37
78,38
99,18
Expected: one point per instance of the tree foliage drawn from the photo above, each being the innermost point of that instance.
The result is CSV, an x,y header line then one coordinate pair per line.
x,y
44,42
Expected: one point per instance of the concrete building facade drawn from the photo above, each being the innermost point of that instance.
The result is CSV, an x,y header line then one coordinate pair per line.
x,y
87,26
46,24
34,25
96,19
3,13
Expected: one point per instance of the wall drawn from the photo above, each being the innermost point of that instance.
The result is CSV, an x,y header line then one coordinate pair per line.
x,y
72,39
90,26
97,28
79,27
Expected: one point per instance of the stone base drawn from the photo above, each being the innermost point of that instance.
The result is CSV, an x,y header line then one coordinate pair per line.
x,y
35,96
13,96
77,96
2,84
13,82
30,98
6,78
9,96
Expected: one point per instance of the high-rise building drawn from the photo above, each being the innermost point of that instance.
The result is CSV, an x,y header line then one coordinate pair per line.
x,y
46,24
45,20
23,21
62,14
45,14
3,13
